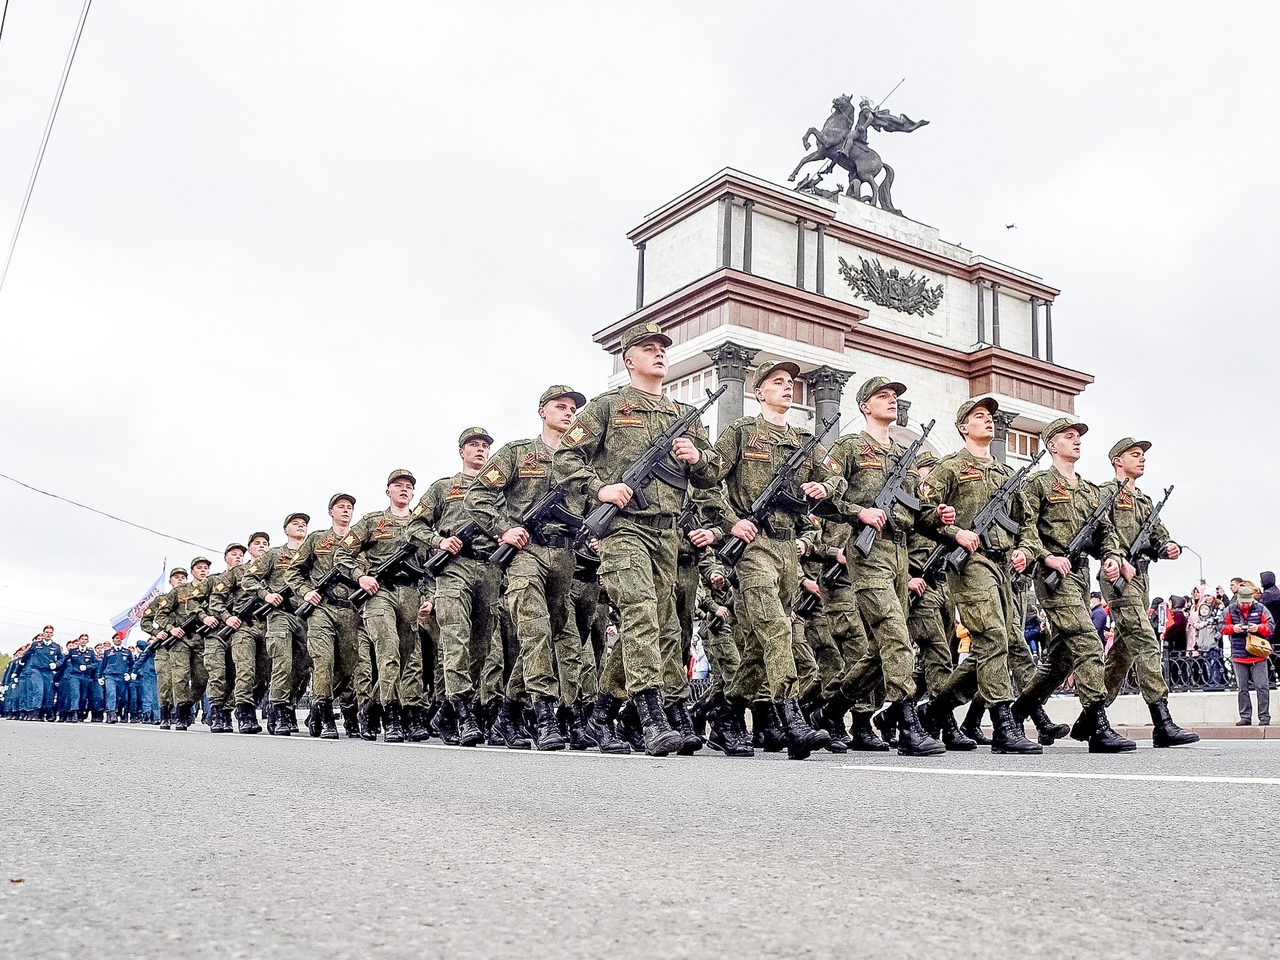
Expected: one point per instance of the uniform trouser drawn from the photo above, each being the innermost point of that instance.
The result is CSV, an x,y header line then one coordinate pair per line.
x,y
187,678
69,692
840,605
807,676
983,595
432,671
148,694
1135,642
248,654
768,576
725,653
686,596
638,569
1074,645
1255,676
281,627
927,625
826,654
466,595
112,692
97,698
164,690
331,641
589,616
880,582
390,620
217,665
539,582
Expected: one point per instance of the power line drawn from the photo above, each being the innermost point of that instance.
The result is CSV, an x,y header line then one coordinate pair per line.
x,y
48,129
3,17
109,516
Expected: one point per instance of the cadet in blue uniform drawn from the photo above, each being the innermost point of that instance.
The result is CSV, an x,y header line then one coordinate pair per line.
x,y
39,665
116,665
97,695
144,681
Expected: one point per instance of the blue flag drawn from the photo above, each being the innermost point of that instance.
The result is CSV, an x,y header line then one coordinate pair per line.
x,y
126,620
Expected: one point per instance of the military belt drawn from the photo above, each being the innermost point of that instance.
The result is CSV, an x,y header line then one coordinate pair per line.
x,y
557,541
406,578
653,523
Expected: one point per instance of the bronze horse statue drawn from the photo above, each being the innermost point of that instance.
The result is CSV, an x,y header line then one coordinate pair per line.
x,y
843,140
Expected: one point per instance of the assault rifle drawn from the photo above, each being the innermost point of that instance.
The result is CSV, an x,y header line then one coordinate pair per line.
x,y
994,514
400,557
466,533
249,611
653,464
548,509
778,495
333,578
1144,550
836,575
893,491
807,605
1086,537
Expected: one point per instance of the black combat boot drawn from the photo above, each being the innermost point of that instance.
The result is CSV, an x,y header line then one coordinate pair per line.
x,y
290,717
1104,739
367,720
1047,731
96,716
247,719
1164,732
831,716
802,739
503,732
469,734
839,735
328,729
215,718
913,741
392,732
938,717
280,715
415,724
972,725
600,725
729,723
183,718
678,715
313,718
166,715
445,723
579,738
659,738
112,716
351,721
862,738
546,731
698,715
629,728
1006,733
227,725
884,723
1082,729
766,726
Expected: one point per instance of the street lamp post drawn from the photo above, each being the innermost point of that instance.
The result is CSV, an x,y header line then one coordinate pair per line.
x,y
1198,557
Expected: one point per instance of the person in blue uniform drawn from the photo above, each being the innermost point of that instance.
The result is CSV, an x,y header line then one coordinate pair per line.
x,y
97,689
144,682
116,665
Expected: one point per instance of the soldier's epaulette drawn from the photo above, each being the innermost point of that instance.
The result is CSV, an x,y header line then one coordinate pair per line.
x,y
372,514
606,396
743,422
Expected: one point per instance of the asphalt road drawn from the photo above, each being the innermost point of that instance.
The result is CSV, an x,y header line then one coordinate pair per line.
x,y
261,847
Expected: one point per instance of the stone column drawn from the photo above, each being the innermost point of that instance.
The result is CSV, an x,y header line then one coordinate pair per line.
x,y
1048,330
731,362
800,252
726,258
982,311
995,314
827,385
747,206
819,284
1000,443
640,275
1035,327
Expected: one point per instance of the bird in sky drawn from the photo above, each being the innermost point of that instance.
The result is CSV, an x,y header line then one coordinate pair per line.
x,y
1011,226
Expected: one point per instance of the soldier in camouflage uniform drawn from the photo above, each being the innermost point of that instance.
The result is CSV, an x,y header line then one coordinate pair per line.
x,y
955,491
187,677
158,610
467,589
389,617
1135,642
1058,504
331,626
751,450
591,617
539,580
639,555
217,650
880,579
266,580
248,651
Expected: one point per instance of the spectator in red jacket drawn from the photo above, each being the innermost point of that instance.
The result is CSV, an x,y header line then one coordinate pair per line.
x,y
1247,617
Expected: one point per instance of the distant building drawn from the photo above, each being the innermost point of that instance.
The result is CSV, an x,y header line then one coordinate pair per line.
x,y
738,271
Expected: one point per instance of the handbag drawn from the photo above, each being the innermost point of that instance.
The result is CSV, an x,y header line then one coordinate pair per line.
x,y
1257,646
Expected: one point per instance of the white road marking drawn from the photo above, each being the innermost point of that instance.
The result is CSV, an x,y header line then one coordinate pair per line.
x,y
1049,775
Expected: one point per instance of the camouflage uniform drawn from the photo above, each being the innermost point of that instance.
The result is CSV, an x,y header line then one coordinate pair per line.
x,y
332,626
158,610
217,651
822,540
248,649
266,575
592,619
929,621
187,677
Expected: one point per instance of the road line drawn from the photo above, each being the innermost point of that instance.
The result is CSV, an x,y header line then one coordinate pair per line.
x,y
1141,777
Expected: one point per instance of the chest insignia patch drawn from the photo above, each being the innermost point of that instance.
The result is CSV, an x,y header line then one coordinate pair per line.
x,y
380,531
968,474
325,546
1124,501
1059,494
626,408
628,421
831,464
455,493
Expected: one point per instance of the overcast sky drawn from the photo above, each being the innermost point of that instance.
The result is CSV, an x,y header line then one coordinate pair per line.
x,y
277,249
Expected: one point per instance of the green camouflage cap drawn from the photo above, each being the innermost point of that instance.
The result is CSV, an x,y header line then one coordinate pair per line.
x,y
177,570
260,535
402,474
1062,423
204,560
295,515
235,546
926,459
875,385
558,390
472,433
966,408
1127,443
642,332
763,371
344,496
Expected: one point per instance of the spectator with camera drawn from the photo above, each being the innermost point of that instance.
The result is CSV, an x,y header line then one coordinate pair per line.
x,y
1248,624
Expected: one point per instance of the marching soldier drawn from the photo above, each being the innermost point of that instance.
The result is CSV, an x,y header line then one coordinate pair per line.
x,y
266,579
248,655
217,650
152,623
639,554
331,626
187,677
1058,504
466,589
1135,643
539,578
